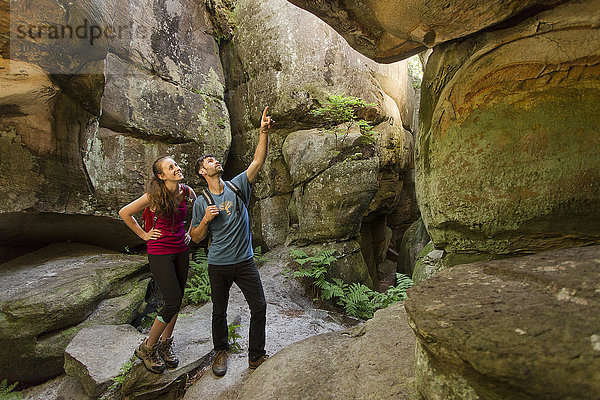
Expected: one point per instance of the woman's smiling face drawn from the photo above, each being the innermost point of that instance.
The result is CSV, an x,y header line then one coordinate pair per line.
x,y
170,171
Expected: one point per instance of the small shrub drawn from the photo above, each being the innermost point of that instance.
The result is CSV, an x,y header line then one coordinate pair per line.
x,y
340,109
259,258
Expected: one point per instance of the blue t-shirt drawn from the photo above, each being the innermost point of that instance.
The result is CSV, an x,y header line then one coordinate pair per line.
x,y
231,241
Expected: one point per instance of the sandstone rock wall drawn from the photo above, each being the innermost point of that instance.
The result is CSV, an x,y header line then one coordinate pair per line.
x,y
507,159
387,31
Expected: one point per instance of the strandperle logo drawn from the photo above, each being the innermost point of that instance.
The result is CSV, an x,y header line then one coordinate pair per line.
x,y
62,37
83,31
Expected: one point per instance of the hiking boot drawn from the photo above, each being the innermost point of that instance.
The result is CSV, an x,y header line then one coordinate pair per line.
x,y
260,360
165,350
149,355
219,365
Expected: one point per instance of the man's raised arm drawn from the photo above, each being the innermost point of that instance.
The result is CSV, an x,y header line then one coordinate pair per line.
x,y
260,155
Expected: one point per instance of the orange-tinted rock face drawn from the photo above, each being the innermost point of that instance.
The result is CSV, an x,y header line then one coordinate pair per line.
x,y
507,158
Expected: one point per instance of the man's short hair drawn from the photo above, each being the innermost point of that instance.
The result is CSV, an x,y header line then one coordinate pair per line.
x,y
200,162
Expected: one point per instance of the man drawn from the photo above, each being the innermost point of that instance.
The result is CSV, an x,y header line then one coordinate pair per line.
x,y
230,255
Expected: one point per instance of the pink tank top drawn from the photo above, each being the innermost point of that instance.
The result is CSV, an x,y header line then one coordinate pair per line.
x,y
173,233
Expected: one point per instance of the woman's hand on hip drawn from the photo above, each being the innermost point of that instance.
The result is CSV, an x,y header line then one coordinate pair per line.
x,y
152,234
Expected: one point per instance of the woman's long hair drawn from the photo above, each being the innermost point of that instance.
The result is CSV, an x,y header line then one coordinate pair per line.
x,y
161,199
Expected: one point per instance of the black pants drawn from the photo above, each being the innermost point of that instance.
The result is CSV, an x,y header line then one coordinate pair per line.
x,y
170,273
246,277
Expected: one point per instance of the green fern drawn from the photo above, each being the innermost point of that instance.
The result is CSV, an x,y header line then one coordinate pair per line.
x,y
395,293
259,258
317,264
6,391
330,290
199,257
298,255
197,290
357,301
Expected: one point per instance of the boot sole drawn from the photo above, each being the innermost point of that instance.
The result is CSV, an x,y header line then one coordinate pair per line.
x,y
160,371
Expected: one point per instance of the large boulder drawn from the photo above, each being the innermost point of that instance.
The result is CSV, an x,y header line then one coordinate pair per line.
x,y
507,157
523,328
371,361
83,140
48,296
387,31
110,346
318,164
95,367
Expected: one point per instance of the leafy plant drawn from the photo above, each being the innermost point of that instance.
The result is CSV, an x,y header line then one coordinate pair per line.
x,y
340,109
317,265
6,391
330,290
197,290
259,258
232,338
356,299
123,371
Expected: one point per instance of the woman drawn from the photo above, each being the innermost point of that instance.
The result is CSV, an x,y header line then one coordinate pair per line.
x,y
168,255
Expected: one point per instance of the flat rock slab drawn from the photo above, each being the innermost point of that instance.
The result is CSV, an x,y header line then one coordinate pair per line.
x,y
97,353
291,317
58,286
192,344
374,360
520,328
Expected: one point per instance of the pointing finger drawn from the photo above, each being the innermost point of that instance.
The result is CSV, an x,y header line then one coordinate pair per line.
x,y
264,116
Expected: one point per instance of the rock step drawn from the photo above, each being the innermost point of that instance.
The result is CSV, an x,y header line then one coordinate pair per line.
x,y
97,353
